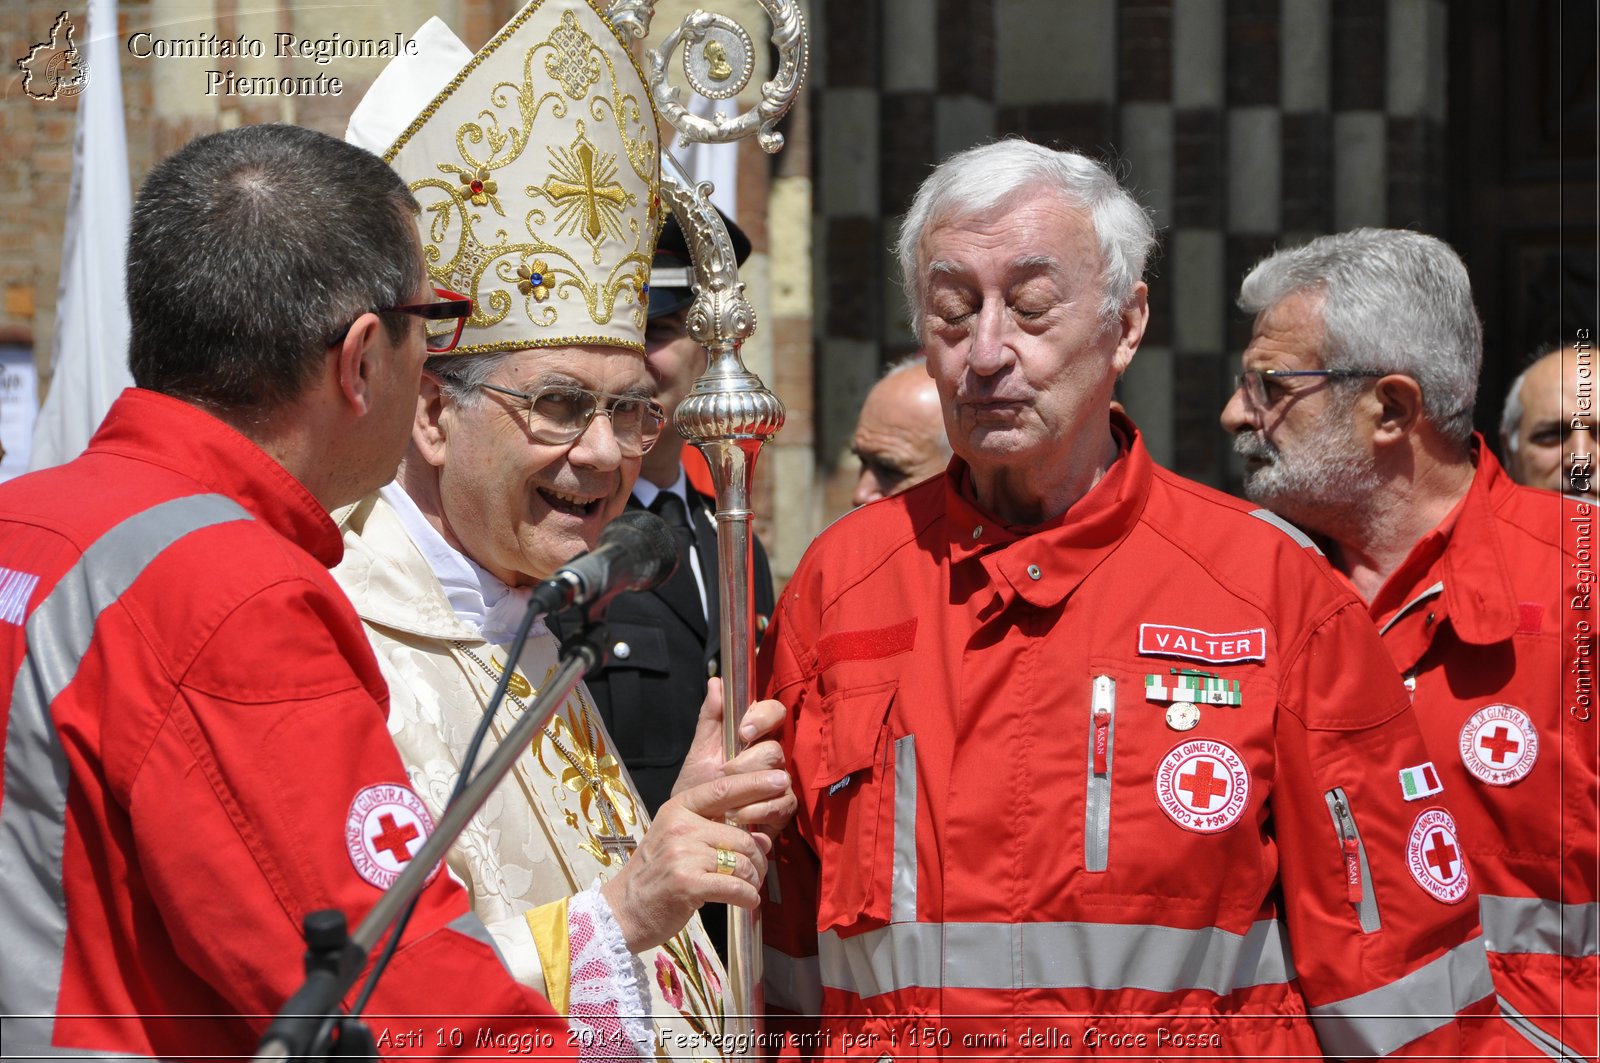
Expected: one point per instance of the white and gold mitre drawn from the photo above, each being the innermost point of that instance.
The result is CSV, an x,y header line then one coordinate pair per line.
x,y
537,166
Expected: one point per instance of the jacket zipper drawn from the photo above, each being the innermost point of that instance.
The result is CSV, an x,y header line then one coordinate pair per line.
x,y
1097,821
1357,874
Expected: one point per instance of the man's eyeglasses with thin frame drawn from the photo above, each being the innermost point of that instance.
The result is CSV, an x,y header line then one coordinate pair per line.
x,y
1253,382
558,414
445,318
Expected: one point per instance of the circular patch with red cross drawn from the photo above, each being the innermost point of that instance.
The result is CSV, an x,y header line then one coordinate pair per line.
x,y
1434,856
1499,744
1203,785
384,829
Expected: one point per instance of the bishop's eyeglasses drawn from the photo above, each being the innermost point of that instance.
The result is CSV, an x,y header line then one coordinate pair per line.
x,y
557,414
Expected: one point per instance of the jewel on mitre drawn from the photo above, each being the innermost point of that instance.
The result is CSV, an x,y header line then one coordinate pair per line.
x,y
533,279
480,185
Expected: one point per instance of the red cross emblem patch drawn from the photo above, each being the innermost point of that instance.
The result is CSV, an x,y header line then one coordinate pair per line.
x,y
1499,744
1203,785
1434,856
384,829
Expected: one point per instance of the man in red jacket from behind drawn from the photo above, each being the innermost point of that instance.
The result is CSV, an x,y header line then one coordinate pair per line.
x,y
195,741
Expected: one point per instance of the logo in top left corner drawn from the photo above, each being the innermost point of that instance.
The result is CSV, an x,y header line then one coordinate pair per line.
x,y
55,69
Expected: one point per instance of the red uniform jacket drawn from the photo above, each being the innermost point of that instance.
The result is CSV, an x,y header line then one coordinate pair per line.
x,y
1126,782
1491,619
195,729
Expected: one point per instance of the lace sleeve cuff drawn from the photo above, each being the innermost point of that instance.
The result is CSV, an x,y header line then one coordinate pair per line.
x,y
609,1007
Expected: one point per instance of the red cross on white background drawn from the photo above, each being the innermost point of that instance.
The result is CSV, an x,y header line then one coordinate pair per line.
x,y
394,838
1203,784
1441,855
1500,744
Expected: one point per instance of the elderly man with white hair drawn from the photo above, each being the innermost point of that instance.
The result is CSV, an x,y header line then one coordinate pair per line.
x,y
1074,736
1354,414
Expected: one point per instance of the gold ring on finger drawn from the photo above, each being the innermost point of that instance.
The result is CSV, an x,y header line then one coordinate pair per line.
x,y
727,862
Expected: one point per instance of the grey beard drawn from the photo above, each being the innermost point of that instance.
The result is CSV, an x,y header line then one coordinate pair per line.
x,y
1321,489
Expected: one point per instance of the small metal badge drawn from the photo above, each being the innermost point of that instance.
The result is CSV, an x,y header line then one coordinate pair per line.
x,y
1183,715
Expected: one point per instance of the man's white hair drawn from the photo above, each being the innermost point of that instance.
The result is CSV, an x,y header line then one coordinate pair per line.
x,y
981,179
461,376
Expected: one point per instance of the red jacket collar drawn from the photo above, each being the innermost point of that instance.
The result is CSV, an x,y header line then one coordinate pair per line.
x,y
167,432
1464,553
1044,562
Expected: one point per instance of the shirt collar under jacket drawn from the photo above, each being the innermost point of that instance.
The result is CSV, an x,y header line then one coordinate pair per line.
x,y
1478,597
1043,563
176,435
480,600
646,492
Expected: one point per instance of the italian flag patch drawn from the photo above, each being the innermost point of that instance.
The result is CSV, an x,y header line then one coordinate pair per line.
x,y
1420,781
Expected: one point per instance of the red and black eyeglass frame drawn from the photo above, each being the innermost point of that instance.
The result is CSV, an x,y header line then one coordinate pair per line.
x,y
450,306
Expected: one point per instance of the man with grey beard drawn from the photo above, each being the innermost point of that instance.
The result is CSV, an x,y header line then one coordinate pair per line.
x,y
1354,415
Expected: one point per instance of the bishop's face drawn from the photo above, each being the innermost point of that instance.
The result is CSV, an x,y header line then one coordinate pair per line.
x,y
521,508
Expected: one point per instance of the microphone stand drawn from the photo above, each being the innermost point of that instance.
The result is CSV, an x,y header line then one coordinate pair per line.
x,y
333,961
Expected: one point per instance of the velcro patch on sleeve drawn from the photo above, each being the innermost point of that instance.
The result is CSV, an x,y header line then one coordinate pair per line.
x,y
869,645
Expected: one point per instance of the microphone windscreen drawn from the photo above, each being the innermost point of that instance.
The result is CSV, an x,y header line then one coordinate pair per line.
x,y
649,539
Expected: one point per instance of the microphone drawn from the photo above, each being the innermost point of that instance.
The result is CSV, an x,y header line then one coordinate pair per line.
x,y
636,552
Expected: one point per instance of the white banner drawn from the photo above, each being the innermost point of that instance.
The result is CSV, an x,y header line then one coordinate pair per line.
x,y
19,403
90,357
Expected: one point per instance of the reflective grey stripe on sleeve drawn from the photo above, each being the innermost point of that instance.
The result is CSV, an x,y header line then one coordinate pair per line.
x,y
903,891
1011,956
33,903
1388,1018
791,983
1532,924
1304,541
468,925
1537,1036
